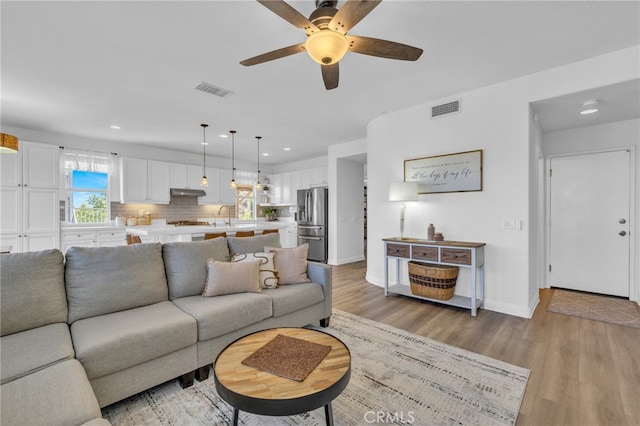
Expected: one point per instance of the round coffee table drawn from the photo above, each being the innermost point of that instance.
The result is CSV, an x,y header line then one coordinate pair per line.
x,y
255,391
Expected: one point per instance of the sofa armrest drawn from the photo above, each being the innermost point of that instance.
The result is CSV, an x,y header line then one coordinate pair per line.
x,y
321,273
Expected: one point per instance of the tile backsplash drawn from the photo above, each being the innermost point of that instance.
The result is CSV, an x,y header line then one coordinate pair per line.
x,y
179,208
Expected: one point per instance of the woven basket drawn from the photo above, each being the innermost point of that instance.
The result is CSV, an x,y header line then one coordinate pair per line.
x,y
432,281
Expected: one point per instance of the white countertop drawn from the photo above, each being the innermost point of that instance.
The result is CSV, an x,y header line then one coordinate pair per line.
x,y
75,228
176,230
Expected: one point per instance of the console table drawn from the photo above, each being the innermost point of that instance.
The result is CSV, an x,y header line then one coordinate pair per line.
x,y
452,253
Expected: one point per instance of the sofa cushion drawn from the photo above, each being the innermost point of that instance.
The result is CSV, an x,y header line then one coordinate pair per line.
x,y
291,298
253,244
268,273
186,264
32,350
119,340
31,290
57,395
291,264
227,278
220,315
101,280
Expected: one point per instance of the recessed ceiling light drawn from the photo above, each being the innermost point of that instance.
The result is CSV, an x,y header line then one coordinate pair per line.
x,y
589,107
223,136
265,154
287,149
115,126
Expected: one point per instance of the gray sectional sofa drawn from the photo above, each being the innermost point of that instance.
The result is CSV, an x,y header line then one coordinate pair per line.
x,y
85,330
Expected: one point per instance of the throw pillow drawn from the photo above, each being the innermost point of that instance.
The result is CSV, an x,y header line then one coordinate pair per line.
x,y
232,277
291,264
253,244
268,274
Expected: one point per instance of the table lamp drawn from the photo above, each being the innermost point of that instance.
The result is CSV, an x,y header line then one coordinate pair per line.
x,y
403,191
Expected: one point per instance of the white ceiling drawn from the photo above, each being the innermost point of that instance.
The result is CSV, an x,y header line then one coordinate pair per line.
x,y
77,67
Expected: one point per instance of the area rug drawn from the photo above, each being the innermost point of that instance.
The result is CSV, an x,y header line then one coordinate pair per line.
x,y
397,377
614,310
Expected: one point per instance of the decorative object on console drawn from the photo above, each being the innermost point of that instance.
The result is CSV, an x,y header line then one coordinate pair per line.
x,y
8,143
403,191
233,183
431,230
204,181
459,172
438,236
432,281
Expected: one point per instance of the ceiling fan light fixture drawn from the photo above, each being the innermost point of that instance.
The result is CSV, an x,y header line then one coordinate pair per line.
x,y
326,47
589,107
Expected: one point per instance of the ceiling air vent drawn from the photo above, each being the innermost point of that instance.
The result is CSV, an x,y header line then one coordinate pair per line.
x,y
452,107
214,90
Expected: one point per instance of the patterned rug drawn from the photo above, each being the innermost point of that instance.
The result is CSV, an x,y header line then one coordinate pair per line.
x,y
397,377
614,310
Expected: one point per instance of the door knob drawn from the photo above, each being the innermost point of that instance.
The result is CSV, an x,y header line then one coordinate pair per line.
x,y
622,221
622,233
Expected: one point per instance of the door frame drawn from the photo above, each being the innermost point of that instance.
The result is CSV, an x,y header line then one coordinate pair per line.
x,y
633,263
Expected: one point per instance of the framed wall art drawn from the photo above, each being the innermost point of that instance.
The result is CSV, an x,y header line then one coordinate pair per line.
x,y
458,172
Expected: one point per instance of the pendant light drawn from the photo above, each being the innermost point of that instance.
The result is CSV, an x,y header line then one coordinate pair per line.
x,y
233,159
8,143
204,181
258,184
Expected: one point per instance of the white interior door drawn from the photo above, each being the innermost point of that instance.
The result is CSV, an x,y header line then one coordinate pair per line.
x,y
589,222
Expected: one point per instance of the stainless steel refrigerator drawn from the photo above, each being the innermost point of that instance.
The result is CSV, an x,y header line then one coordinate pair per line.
x,y
313,216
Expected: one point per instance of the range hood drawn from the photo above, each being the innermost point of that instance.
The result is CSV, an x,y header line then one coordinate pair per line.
x,y
187,192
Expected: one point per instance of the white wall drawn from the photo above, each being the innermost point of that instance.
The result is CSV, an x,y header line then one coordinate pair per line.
x,y
346,216
495,119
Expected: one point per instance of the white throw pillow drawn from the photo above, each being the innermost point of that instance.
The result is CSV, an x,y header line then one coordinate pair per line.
x,y
291,264
268,273
232,277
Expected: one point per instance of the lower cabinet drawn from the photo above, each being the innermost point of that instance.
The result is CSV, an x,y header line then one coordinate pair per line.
x,y
91,238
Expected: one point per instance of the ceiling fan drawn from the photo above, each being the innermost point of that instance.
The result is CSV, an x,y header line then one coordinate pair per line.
x,y
327,40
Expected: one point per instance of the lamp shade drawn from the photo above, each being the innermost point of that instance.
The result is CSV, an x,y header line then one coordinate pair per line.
x,y
403,191
8,143
326,47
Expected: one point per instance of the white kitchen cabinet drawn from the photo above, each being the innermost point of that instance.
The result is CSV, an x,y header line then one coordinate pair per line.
x,y
91,238
34,165
111,238
227,194
29,198
289,235
213,189
29,218
185,176
144,181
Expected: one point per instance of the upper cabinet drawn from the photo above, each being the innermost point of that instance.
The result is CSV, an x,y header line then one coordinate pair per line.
x,y
144,181
34,165
227,194
284,186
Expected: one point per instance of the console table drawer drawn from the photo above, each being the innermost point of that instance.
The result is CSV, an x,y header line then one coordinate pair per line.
x,y
424,253
398,250
460,256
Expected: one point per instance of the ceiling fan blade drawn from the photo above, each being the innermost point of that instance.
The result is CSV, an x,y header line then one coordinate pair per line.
x,y
330,75
351,13
275,54
289,14
383,48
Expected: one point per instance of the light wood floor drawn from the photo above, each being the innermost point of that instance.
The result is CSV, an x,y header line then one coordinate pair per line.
x,y
583,372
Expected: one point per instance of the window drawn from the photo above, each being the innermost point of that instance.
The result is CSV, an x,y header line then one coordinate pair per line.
x,y
245,202
87,184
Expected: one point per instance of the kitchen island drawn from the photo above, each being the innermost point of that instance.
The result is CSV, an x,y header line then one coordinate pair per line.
x,y
171,233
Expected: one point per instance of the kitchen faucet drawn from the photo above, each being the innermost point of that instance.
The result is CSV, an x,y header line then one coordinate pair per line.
x,y
228,222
